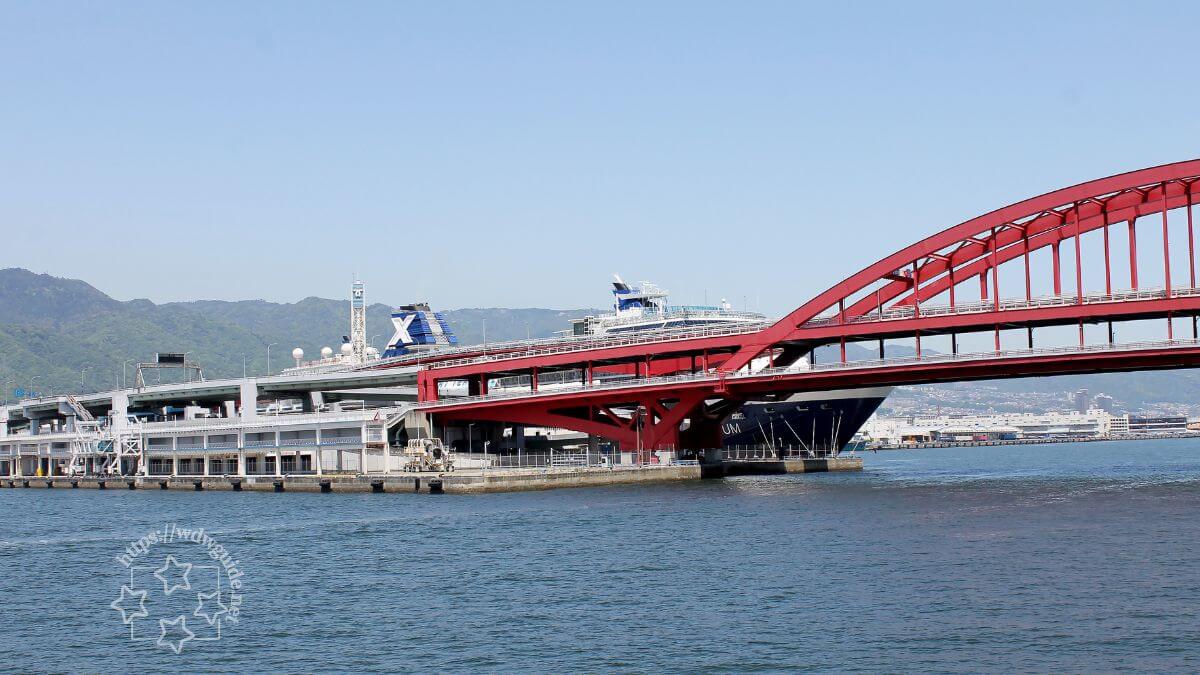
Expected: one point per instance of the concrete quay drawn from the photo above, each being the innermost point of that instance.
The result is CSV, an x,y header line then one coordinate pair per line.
x,y
457,482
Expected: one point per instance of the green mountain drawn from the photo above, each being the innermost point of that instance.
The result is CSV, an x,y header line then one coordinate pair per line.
x,y
64,332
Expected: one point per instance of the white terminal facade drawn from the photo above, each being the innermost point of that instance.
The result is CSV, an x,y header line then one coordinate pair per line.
x,y
1092,423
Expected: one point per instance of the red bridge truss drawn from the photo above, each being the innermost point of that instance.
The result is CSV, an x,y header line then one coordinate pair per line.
x,y
982,277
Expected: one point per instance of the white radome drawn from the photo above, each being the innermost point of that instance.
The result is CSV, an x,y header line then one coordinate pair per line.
x,y
371,351
326,352
297,353
347,348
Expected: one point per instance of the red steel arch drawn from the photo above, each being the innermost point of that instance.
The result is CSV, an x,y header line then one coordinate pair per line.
x,y
700,378
977,247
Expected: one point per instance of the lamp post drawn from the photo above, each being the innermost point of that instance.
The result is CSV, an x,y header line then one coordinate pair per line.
x,y
30,392
82,383
269,356
7,387
640,417
771,417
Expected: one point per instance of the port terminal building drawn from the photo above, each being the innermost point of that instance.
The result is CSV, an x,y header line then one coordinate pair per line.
x,y
1093,423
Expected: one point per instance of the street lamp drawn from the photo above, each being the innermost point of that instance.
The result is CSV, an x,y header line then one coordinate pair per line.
x,y
640,418
124,379
82,384
7,385
771,417
35,377
269,356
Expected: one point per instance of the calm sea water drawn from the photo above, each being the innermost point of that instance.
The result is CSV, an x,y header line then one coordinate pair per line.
x,y
1063,557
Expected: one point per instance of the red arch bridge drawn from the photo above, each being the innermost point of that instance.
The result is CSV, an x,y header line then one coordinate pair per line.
x,y
1045,286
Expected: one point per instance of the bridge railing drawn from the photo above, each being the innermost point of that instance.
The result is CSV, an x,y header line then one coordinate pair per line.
x,y
1062,300
606,343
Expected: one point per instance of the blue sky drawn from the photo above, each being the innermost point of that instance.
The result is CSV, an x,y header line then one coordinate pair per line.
x,y
515,154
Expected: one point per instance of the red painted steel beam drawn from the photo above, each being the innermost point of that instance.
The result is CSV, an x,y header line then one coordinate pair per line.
x,y
1036,316
676,348
1039,239
540,410
1119,186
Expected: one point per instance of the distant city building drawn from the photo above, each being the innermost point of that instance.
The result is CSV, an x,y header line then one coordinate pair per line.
x,y
1104,402
1081,401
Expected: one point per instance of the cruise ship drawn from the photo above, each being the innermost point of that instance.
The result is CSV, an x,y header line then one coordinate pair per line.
x,y
820,423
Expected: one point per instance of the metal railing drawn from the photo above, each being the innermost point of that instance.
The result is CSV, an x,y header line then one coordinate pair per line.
x,y
272,420
1063,300
606,343
758,453
572,458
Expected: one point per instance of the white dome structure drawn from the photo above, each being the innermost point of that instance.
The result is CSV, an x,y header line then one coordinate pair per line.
x,y
297,354
347,348
326,352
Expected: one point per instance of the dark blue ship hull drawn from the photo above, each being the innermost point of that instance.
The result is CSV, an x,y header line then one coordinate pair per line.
x,y
820,423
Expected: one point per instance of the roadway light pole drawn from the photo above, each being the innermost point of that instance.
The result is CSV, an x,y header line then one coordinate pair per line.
x,y
269,356
770,410
82,383
30,392
639,412
7,387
